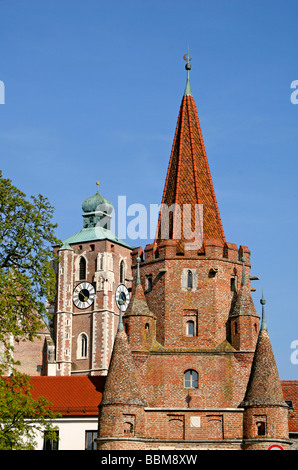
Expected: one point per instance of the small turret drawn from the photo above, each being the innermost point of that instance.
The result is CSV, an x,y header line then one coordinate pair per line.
x,y
265,418
140,323
121,411
244,320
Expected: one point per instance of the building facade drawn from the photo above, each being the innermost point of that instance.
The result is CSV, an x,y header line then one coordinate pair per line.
x,y
192,368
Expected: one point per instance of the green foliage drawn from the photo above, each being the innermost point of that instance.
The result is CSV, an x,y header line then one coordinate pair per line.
x,y
22,416
26,272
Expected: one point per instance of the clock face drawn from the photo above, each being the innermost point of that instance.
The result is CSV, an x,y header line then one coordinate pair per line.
x,y
122,294
83,295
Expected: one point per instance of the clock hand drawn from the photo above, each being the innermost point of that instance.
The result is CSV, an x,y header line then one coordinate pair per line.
x,y
84,296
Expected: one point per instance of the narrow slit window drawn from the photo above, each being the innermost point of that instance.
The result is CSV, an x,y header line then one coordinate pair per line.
x,y
189,279
190,328
84,344
122,272
82,268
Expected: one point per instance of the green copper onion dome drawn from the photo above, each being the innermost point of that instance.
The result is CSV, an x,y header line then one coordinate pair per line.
x,y
97,203
97,210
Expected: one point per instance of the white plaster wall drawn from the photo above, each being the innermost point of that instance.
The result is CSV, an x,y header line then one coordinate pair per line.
x,y
71,432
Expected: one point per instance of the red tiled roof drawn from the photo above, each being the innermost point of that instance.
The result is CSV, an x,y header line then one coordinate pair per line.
x,y
290,391
70,395
264,387
188,179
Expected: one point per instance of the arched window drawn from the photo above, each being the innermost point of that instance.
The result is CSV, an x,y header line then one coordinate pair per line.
x,y
191,379
189,279
190,328
82,268
83,345
122,272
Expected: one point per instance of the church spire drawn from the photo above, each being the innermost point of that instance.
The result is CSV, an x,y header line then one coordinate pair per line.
x,y
188,186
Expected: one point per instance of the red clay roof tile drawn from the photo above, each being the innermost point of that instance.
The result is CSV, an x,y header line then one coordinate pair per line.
x,y
70,395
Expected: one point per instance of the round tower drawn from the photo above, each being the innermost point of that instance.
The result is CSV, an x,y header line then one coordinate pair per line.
x,y
265,418
121,411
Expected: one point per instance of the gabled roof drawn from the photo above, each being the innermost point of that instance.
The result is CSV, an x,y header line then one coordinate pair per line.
x,y
70,395
188,179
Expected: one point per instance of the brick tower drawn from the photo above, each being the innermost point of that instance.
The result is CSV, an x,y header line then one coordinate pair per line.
x,y
191,325
92,263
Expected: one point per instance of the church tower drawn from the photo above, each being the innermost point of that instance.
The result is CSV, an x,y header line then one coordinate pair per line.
x,y
92,264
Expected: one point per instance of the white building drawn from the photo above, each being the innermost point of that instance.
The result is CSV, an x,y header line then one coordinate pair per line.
x,y
76,399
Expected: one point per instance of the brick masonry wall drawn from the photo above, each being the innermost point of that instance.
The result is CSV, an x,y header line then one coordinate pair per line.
x,y
99,321
209,300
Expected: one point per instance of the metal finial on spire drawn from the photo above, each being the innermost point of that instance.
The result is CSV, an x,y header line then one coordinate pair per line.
x,y
97,184
262,302
138,279
188,67
243,281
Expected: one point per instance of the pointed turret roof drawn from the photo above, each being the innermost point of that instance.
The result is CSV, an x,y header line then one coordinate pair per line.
x,y
264,386
138,304
122,385
188,179
244,304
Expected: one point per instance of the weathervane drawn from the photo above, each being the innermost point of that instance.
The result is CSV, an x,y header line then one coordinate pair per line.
x,y
187,59
188,67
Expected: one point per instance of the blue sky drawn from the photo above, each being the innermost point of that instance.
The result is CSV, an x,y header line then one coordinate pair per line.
x,y
93,90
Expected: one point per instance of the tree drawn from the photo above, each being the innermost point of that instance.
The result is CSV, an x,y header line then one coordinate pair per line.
x,y
26,269
22,416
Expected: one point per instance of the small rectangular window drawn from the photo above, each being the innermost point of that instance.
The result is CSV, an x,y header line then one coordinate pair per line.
x,y
90,440
51,443
149,283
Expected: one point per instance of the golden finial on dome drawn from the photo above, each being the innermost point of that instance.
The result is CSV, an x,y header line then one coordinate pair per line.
x,y
97,184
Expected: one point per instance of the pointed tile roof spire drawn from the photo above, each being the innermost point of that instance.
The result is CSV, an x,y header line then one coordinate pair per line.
x,y
138,303
264,386
189,183
122,386
244,304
